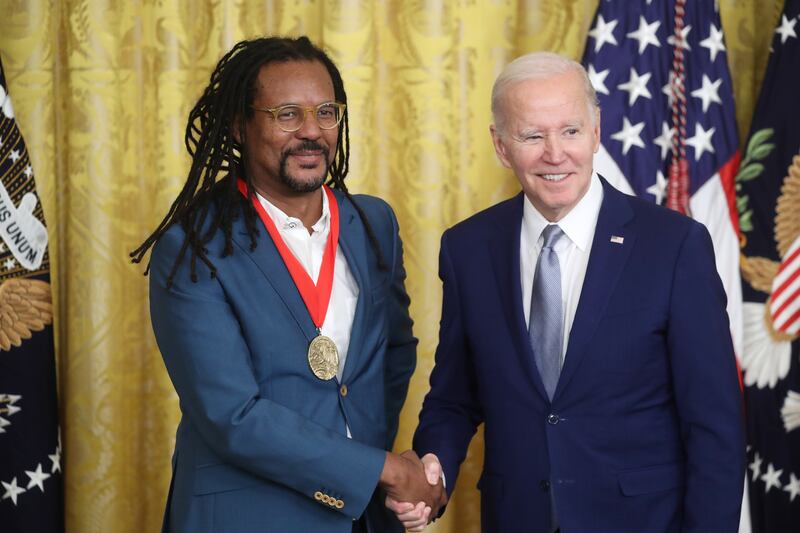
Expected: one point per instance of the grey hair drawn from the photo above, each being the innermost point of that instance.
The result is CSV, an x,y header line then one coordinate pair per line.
x,y
538,66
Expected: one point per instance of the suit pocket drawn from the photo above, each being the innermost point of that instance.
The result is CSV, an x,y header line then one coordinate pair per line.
x,y
651,479
210,479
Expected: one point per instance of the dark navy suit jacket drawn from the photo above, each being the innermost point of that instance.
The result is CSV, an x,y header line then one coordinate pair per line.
x,y
262,445
644,432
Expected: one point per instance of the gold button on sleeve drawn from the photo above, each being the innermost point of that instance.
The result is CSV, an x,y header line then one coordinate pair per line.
x,y
339,504
318,496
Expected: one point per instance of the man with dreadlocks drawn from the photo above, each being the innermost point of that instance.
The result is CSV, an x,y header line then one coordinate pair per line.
x,y
279,306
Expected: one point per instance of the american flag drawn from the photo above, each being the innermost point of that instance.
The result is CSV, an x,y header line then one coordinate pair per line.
x,y
768,186
630,55
668,128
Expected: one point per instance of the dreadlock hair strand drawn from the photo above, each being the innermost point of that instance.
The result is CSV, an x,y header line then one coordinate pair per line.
x,y
215,139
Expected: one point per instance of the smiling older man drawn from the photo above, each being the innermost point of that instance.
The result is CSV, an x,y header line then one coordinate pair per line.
x,y
587,331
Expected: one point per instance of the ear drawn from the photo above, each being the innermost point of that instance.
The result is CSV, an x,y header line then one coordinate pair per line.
x,y
596,129
499,147
236,133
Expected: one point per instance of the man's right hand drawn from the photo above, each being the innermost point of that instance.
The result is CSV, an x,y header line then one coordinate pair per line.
x,y
404,479
415,517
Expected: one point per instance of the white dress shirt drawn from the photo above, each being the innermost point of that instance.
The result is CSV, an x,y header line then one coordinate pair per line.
x,y
573,251
309,248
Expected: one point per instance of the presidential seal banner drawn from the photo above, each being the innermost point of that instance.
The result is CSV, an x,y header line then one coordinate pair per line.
x,y
30,447
768,186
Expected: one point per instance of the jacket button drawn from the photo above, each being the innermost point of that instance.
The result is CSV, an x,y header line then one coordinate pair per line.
x,y
552,419
318,496
339,504
545,485
343,390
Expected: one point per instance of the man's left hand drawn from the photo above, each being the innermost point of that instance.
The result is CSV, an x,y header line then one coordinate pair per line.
x,y
416,517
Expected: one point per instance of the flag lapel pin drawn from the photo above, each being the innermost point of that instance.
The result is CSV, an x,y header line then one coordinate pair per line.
x,y
616,239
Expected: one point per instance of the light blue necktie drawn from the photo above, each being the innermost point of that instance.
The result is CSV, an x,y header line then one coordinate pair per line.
x,y
546,317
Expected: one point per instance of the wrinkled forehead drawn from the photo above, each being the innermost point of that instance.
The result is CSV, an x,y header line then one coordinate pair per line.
x,y
552,100
521,110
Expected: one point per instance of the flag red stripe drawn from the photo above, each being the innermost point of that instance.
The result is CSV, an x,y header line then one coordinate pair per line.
x,y
790,259
792,319
783,286
776,313
727,175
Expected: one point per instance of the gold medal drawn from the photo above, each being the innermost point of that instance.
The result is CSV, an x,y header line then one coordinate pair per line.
x,y
323,357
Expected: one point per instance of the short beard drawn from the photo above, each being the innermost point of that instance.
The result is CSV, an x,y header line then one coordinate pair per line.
x,y
293,183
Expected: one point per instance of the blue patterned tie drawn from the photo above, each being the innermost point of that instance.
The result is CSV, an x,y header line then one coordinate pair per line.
x,y
546,327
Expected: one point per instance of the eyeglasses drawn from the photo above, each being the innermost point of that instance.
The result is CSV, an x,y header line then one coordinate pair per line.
x,y
290,118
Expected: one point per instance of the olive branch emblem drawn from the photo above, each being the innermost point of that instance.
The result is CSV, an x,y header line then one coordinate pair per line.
x,y
758,149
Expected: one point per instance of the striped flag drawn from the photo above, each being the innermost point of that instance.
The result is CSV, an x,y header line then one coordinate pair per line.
x,y
768,187
668,126
30,448
668,123
784,306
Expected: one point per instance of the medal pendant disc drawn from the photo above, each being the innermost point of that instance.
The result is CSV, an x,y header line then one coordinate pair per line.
x,y
323,357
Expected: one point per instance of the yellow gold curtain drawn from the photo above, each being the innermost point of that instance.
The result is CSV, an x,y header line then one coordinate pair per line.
x,y
102,90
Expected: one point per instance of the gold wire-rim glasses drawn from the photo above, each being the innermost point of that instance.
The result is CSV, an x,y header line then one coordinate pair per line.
x,y
286,123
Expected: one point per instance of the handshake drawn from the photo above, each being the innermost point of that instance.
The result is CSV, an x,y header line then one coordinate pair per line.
x,y
414,488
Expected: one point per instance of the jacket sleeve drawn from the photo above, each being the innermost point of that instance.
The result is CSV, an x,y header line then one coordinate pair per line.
x,y
706,389
209,363
451,411
401,351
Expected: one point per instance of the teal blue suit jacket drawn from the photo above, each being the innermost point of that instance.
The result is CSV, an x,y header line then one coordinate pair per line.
x,y
262,442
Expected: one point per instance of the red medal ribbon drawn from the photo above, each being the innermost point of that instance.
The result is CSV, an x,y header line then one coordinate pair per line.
x,y
316,297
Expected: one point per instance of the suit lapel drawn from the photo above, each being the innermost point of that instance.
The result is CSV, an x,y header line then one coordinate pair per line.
x,y
606,263
505,261
269,262
352,241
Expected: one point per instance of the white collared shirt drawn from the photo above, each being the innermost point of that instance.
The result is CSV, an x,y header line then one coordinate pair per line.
x,y
573,251
309,248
